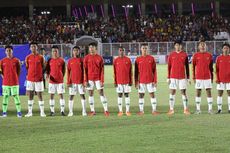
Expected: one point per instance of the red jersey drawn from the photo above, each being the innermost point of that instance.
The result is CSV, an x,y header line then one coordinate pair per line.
x,y
10,69
122,67
178,65
34,65
202,66
75,72
56,70
223,69
145,70
93,68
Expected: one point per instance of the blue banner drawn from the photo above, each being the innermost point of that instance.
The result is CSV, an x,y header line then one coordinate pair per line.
x,y
20,52
108,60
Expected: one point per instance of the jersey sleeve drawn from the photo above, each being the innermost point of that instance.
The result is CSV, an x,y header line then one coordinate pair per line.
x,y
187,67
154,71
102,70
194,67
18,67
68,73
27,62
85,63
131,73
169,65
217,70
136,72
114,72
211,67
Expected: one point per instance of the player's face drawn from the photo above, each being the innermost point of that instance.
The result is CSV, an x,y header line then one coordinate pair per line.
x,y
121,52
9,52
202,47
92,49
55,52
144,50
225,50
177,47
33,48
75,52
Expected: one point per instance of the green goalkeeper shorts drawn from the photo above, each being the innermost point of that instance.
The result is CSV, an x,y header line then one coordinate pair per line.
x,y
10,90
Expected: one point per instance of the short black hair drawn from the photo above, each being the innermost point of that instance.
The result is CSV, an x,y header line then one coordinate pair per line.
x,y
76,47
121,47
9,46
225,44
202,41
55,47
144,44
177,42
33,43
43,49
93,44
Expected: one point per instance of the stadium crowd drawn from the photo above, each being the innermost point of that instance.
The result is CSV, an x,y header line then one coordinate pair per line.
x,y
17,30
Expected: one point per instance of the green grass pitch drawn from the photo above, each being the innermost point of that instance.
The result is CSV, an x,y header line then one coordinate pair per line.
x,y
148,134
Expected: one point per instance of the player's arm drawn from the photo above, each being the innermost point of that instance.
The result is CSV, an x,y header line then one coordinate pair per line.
x,y
194,67
136,77
48,68
63,68
102,71
27,62
68,74
187,68
18,68
217,71
131,74
154,72
114,73
169,66
1,72
211,68
85,65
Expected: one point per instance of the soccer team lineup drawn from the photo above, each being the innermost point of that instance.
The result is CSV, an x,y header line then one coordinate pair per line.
x,y
86,76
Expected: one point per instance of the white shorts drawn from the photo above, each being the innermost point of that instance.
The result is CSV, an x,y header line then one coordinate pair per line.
x,y
123,88
175,83
94,83
34,86
150,88
203,84
76,88
56,88
223,86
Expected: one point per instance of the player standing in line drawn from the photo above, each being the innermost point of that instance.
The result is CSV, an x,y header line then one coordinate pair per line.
x,y
94,76
146,79
178,76
203,75
75,77
223,76
34,64
55,70
10,71
122,67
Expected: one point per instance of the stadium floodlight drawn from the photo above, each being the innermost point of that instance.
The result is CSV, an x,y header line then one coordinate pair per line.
x,y
45,12
127,6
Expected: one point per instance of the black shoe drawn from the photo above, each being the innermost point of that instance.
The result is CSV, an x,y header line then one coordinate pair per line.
x,y
228,111
51,113
63,114
219,111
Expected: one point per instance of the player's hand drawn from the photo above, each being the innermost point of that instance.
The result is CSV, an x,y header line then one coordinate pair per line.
x,y
115,85
130,84
2,76
102,84
189,81
69,85
212,80
86,84
194,80
168,81
218,82
154,84
137,86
